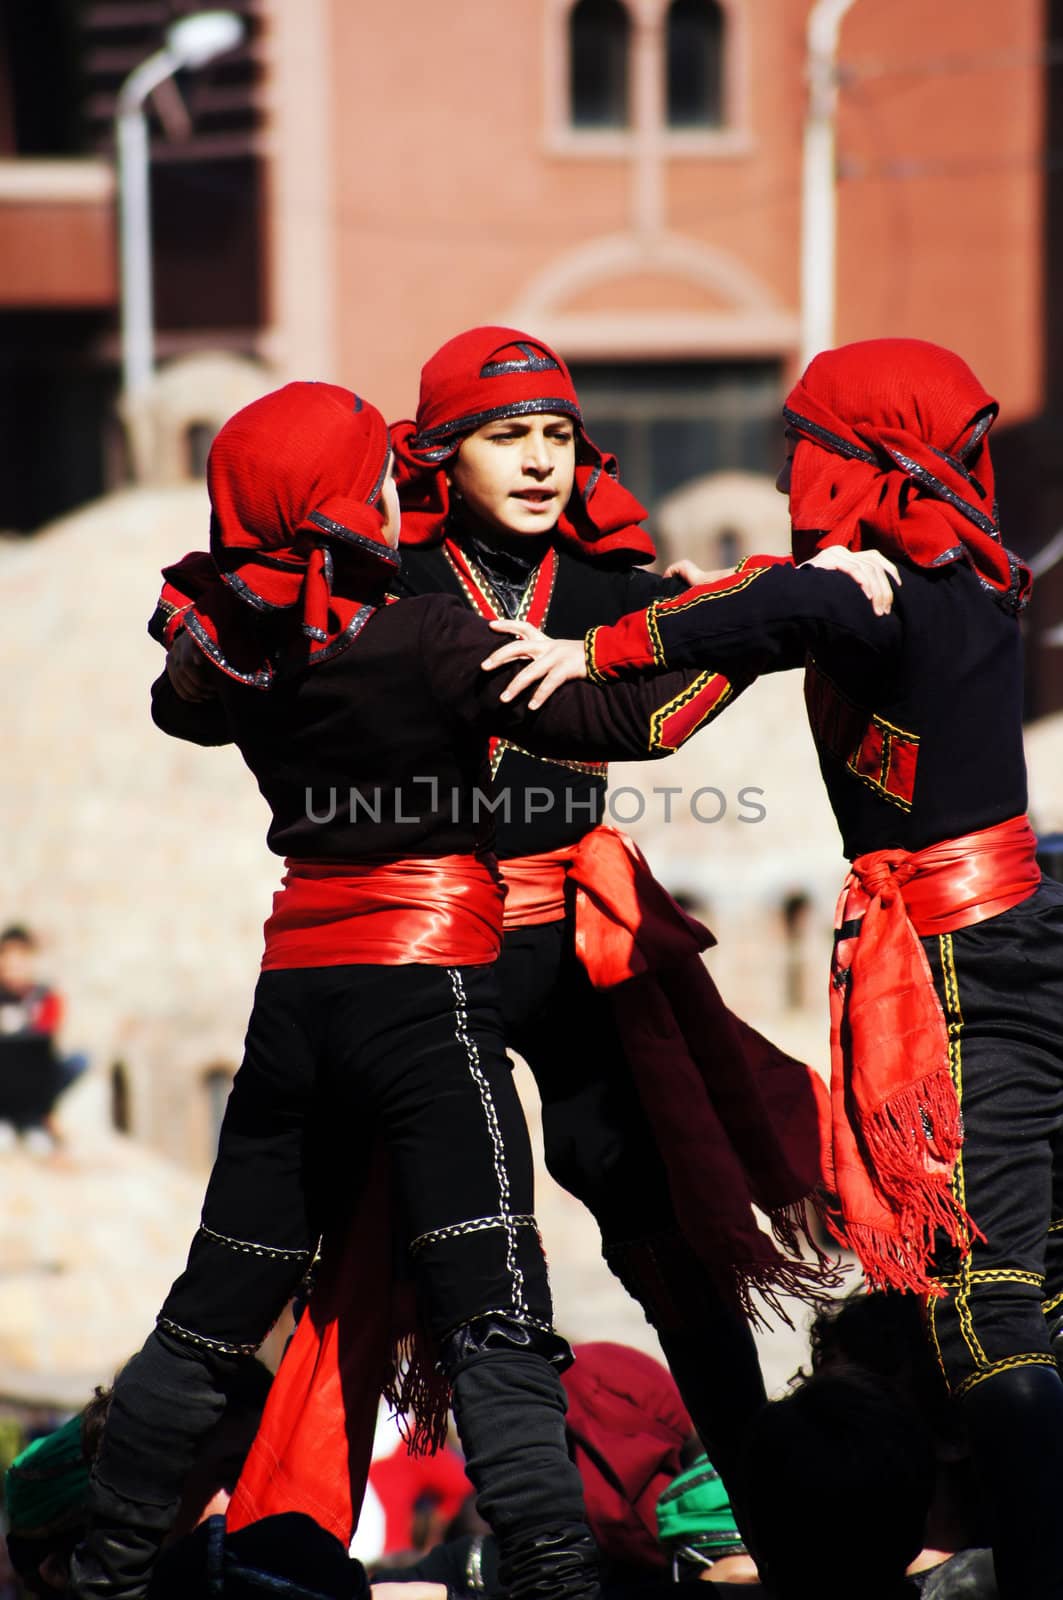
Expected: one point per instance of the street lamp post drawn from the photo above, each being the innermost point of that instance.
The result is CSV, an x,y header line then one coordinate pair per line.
x,y
818,185
190,43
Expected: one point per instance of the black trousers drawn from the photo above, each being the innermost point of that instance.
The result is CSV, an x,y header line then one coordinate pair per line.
x,y
1001,988
334,1057
599,1147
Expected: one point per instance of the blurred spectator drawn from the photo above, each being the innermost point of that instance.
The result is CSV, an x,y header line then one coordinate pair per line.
x,y
627,1429
838,1481
409,1500
32,1072
697,1529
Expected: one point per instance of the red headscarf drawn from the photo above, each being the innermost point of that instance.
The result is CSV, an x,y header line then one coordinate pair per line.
x,y
295,481
626,1426
892,453
498,372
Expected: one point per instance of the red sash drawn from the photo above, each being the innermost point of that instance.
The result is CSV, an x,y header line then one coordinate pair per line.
x,y
737,1122
442,911
896,1127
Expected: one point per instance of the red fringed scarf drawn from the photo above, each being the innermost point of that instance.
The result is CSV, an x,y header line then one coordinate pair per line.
x,y
896,1127
295,481
892,455
497,372
738,1123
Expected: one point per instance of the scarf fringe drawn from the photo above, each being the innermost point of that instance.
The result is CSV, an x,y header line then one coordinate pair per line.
x,y
901,1260
918,1124
791,1227
773,1281
418,1394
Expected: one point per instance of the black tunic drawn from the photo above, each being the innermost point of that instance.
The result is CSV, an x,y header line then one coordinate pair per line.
x,y
585,593
917,716
381,751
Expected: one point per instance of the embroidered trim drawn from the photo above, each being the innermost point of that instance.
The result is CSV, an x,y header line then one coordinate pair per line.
x,y
474,1566
472,1053
1007,1365
254,680
499,1311
590,769
201,1339
958,1182
250,596
655,635
479,419
459,1230
663,738
535,360
719,590
348,636
248,1248
995,1275
876,751
534,605
593,674
361,541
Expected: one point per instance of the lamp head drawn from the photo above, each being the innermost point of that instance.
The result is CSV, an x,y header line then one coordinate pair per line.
x,y
196,39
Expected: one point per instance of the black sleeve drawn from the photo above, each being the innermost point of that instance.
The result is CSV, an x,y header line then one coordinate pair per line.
x,y
200,722
761,619
641,720
644,587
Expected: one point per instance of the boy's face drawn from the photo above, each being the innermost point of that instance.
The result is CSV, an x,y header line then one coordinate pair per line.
x,y
516,474
16,965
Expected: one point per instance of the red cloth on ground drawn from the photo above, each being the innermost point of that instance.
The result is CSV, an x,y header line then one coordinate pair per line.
x,y
892,455
433,910
895,1120
626,1426
491,372
295,482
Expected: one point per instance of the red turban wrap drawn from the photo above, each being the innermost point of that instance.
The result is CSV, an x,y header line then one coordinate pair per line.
x,y
295,481
892,454
497,372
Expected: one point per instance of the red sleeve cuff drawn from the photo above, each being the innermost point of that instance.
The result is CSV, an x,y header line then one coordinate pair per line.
x,y
628,645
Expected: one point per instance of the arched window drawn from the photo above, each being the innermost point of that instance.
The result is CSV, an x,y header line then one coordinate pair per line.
x,y
599,37
217,1081
199,436
121,1108
695,64
728,547
796,913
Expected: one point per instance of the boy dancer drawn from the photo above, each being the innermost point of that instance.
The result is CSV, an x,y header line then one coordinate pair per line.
x,y
366,728
947,984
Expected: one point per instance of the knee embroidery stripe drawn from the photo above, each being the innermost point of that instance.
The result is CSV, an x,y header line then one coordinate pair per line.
x,y
201,1339
1034,1359
458,1230
248,1248
500,1311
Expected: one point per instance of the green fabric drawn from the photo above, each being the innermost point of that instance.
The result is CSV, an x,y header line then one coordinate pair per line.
x,y
46,1487
694,1513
